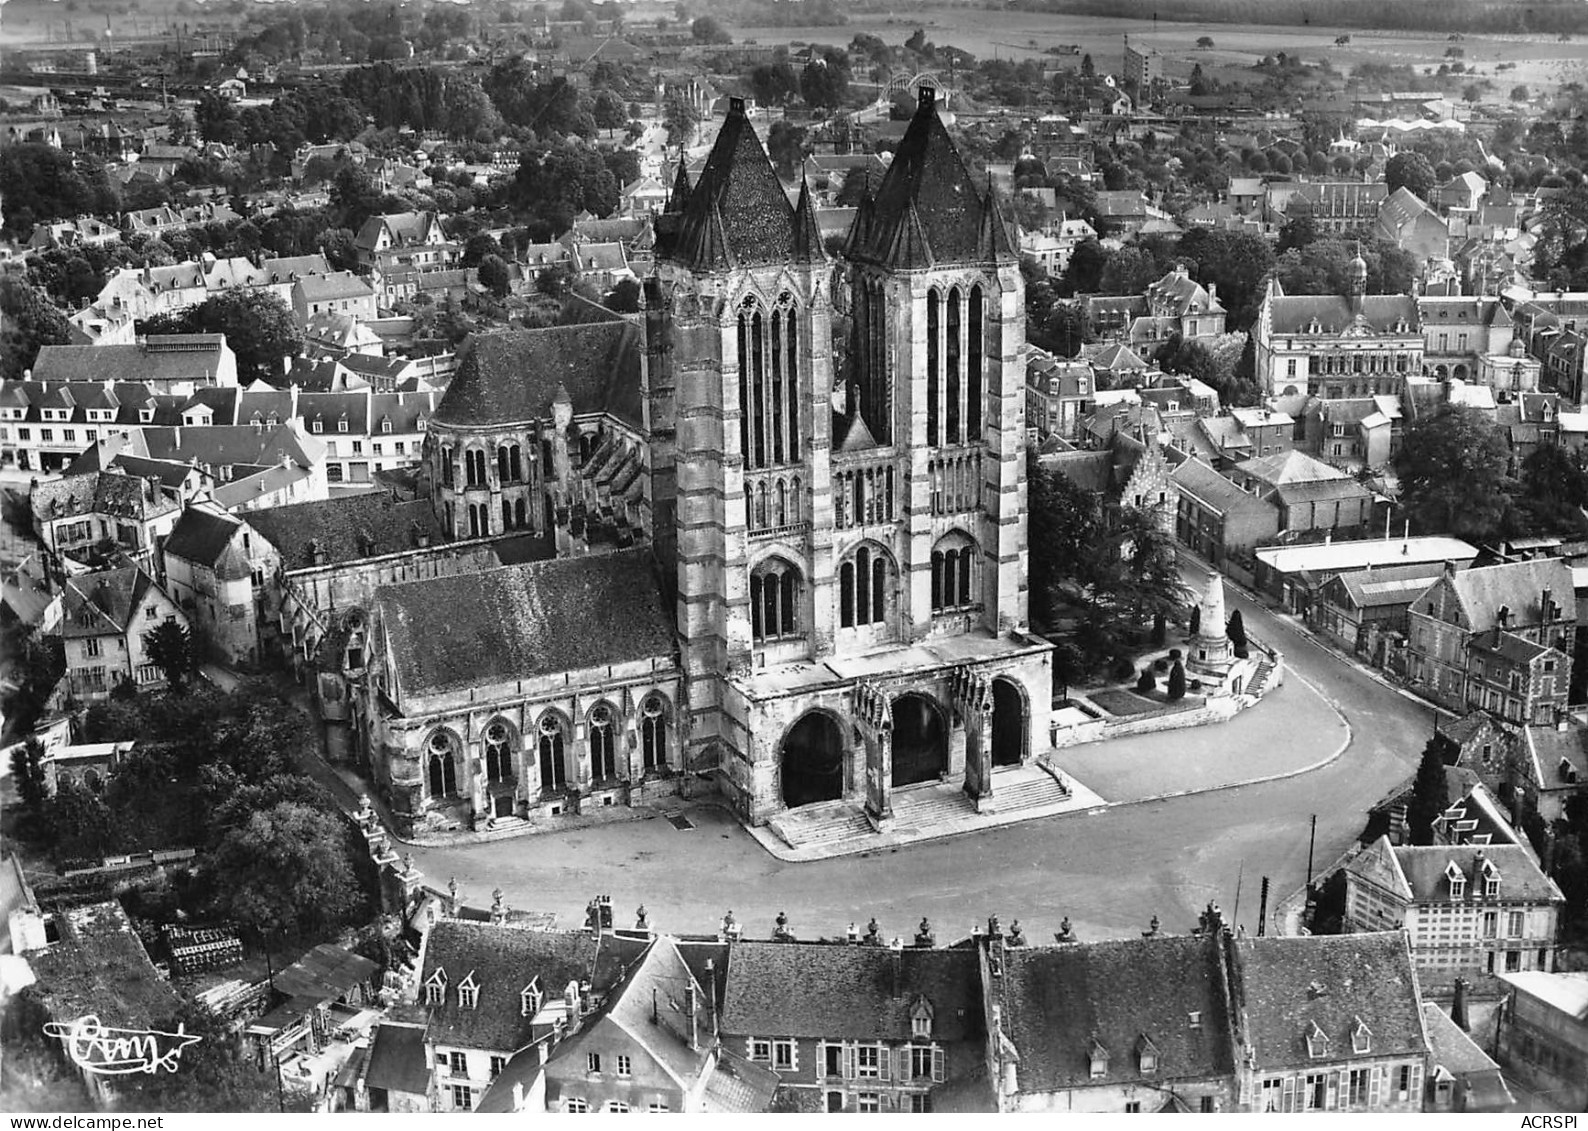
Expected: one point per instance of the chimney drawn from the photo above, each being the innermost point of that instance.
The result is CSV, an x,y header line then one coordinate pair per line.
x,y
1546,607
1262,910
694,1029
1458,1007
1450,569
711,992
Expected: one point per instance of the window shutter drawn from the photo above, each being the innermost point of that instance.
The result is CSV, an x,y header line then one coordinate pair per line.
x,y
849,1062
1374,1079
1415,1096
1332,1098
937,1066
904,1063
1290,1094
884,1060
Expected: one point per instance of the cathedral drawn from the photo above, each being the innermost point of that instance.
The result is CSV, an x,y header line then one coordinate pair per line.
x,y
778,565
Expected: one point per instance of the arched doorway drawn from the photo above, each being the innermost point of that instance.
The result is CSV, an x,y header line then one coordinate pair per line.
x,y
920,740
1008,724
813,761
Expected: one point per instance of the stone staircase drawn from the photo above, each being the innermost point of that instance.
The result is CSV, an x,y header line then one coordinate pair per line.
x,y
817,826
1259,680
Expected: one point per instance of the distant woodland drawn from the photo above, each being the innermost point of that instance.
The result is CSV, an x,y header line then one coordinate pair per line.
x,y
1503,17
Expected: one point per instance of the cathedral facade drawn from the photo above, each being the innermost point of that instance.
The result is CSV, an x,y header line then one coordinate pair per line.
x,y
828,598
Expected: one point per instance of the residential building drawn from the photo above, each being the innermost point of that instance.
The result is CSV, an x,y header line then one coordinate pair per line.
x,y
1058,394
1517,679
1548,766
401,244
1543,1035
1330,1023
1526,599
116,511
1461,1076
106,621
1311,496
1470,910
394,1074
341,292
1361,611
1295,574
209,575
1143,66
856,1028
1411,225
1134,1025
1217,520
491,992
1460,330
1334,346
163,363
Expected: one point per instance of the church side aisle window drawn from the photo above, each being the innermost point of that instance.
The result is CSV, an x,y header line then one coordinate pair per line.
x,y
603,756
653,732
553,775
953,567
862,589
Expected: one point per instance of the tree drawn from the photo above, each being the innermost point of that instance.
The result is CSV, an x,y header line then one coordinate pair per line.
x,y
773,84
1237,262
1299,230
1205,42
284,873
1430,793
678,118
785,145
216,1073
1520,93
495,275
1088,69
1236,631
824,84
1194,626
170,649
1412,171
1176,689
1129,271
706,29
1146,682
478,247
1452,466
27,773
258,325
624,298
28,320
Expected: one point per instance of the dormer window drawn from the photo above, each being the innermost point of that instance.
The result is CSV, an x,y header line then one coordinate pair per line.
x,y
1458,882
385,424
419,425
1193,1020
341,425
1317,1042
1361,1037
468,993
1147,1055
921,1020
318,425
1099,1060
436,987
529,999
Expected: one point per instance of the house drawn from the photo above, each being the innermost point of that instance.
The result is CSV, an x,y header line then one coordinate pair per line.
x,y
1330,1023
643,196
1411,225
209,575
1217,520
1547,767
1470,910
1134,1025
1461,193
1461,1076
86,514
1358,611
1058,394
1294,575
1543,1035
1311,496
1521,681
341,292
492,991
1527,599
394,1075
1193,308
106,621
1336,207
653,1046
867,1028
164,363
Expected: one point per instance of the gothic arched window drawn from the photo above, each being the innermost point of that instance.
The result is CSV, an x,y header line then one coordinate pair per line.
x,y
953,573
498,753
653,732
951,349
974,340
775,590
441,770
863,588
553,774
934,435
603,754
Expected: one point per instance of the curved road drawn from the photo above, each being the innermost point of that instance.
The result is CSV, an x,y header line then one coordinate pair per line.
x,y
1110,872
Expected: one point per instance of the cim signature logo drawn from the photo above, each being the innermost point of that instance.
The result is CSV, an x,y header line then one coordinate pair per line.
x,y
120,1052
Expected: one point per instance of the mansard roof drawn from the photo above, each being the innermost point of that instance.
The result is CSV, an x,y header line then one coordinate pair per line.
x,y
927,212
737,214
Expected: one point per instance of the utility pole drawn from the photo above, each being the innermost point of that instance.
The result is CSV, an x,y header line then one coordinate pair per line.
x,y
275,1057
1312,839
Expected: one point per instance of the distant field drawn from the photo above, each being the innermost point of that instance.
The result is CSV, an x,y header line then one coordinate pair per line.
x,y
1540,63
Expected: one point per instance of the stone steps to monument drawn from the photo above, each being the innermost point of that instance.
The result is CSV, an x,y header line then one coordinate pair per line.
x,y
820,824
1029,794
1259,678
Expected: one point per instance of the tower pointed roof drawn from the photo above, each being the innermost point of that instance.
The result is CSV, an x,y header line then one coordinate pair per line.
x,y
680,194
738,214
808,246
927,187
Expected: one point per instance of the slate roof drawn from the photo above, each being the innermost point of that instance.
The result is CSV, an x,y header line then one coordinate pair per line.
x,y
1060,1000
1458,1054
927,211
514,375
113,493
1290,467
1507,645
325,972
1550,749
1293,983
1293,315
1394,585
103,603
737,214
206,538
843,992
345,529
160,357
739,1087
652,1007
398,1061
526,620
1209,486
338,285
100,967
503,961
1518,586
1423,867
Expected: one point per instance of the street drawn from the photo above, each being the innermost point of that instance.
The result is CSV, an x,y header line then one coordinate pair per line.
x,y
1109,872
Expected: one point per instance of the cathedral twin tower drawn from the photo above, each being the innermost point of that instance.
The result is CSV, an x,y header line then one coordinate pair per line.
x,y
848,533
